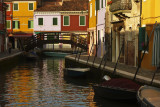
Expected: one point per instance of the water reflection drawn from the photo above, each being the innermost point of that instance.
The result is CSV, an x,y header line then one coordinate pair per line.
x,y
41,84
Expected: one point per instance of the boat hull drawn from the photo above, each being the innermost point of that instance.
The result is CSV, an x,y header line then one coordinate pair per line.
x,y
148,96
75,72
55,54
114,93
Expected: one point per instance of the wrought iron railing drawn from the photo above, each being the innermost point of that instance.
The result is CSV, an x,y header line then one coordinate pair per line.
x,y
117,5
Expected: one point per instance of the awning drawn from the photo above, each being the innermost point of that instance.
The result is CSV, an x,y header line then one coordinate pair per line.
x,y
37,33
156,47
21,35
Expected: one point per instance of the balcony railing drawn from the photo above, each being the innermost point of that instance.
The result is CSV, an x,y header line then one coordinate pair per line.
x,y
119,5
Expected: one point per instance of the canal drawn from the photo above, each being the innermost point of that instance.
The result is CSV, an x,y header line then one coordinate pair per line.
x,y
40,83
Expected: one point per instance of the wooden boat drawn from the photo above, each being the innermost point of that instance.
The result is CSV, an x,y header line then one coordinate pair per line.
x,y
116,89
76,72
55,54
148,96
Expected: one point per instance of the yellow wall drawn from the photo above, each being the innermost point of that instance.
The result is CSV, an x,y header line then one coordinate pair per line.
x,y
150,14
23,15
92,20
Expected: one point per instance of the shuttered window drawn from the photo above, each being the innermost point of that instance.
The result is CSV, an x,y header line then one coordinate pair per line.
x,y
97,5
40,21
66,20
101,3
16,25
82,20
30,24
30,6
143,38
15,6
98,36
8,24
55,21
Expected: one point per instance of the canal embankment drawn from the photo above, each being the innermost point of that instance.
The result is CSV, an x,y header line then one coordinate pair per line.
x,y
7,60
126,71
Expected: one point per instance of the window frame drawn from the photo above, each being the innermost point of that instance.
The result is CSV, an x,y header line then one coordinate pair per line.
x,y
9,22
53,21
38,22
84,21
13,6
91,10
18,24
68,21
28,6
30,24
9,6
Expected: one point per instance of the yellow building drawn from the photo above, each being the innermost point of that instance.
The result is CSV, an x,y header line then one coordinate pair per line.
x,y
23,12
150,14
92,25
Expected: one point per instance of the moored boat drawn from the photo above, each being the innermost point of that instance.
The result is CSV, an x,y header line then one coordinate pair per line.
x,y
116,89
76,72
55,54
148,96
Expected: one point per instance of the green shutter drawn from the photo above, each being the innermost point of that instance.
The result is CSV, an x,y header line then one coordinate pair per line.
x,y
101,3
13,24
82,20
54,21
8,24
66,20
15,6
97,4
29,24
18,24
30,6
40,21
142,31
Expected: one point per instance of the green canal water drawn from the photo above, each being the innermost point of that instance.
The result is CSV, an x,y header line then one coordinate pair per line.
x,y
41,83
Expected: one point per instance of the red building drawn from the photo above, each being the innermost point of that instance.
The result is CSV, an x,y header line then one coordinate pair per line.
x,y
9,14
74,17
2,26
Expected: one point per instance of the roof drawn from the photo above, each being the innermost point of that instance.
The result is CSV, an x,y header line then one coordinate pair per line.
x,y
72,5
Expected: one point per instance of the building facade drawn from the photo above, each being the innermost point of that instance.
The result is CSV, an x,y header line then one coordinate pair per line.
x,y
3,32
92,27
101,12
150,14
125,21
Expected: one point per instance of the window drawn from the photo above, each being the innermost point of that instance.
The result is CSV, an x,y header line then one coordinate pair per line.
x,y
8,7
101,3
91,10
97,4
8,24
30,5
55,22
16,24
98,37
30,24
143,38
66,20
40,21
95,8
15,6
82,21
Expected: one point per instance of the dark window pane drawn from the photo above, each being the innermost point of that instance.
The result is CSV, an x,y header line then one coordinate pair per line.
x,y
54,21
40,21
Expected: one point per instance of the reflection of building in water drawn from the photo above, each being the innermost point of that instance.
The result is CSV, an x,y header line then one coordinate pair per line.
x,y
19,87
90,97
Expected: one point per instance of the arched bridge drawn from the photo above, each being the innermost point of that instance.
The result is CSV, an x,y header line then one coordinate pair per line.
x,y
42,38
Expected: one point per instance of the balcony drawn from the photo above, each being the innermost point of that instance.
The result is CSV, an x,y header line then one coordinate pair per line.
x,y
120,6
